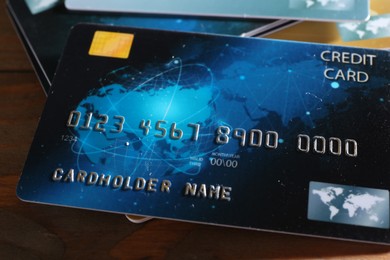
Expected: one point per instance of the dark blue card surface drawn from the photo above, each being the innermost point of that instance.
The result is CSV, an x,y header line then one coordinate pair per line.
x,y
231,131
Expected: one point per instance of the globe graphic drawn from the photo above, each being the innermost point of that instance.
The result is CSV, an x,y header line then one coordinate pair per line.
x,y
151,122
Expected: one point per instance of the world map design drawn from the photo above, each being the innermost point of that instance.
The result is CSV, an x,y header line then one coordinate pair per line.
x,y
350,205
377,27
335,5
352,202
328,3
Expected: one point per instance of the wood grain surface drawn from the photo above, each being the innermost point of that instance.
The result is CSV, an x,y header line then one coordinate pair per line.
x,y
33,231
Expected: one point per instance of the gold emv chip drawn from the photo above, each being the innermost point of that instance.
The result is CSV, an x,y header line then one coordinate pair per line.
x,y
111,44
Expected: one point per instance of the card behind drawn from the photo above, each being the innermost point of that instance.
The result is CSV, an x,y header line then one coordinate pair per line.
x,y
330,10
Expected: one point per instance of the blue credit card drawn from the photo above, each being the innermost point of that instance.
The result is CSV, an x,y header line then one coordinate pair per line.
x,y
243,132
324,10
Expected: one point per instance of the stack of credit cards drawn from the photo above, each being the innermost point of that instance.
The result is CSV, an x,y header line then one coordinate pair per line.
x,y
44,26
276,131
233,131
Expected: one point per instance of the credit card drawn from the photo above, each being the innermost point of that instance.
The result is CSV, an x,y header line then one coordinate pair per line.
x,y
244,132
324,10
373,33
44,26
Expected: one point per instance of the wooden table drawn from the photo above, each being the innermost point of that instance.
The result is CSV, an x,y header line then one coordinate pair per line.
x,y
39,231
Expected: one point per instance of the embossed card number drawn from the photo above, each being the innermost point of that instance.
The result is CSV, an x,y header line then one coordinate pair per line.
x,y
255,137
